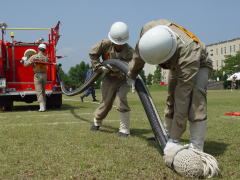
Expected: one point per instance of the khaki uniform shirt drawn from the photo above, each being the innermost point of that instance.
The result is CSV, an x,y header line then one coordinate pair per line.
x,y
105,50
38,68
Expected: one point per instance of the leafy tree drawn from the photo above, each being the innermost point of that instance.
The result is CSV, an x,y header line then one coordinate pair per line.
x,y
157,75
218,74
76,74
149,79
232,64
142,74
64,77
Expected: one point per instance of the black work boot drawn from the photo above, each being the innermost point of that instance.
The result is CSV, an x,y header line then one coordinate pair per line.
x,y
94,128
151,139
81,98
122,135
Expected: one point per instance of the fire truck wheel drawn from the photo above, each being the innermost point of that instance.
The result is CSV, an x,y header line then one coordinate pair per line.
x,y
54,101
58,101
7,106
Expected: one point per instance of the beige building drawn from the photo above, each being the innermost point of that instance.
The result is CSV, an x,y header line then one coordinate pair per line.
x,y
216,51
149,69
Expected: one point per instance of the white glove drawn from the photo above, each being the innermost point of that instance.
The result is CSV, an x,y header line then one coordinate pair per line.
x,y
104,69
130,81
170,144
171,152
23,59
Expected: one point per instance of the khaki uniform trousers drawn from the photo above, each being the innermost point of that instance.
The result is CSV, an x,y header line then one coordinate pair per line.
x,y
112,87
40,80
189,101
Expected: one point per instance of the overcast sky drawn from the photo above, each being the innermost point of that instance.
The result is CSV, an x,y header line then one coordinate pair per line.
x,y
86,22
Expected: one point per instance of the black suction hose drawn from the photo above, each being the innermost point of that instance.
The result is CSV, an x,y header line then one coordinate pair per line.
x,y
80,89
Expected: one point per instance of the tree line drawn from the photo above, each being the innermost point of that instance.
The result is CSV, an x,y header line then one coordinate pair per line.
x,y
75,77
232,65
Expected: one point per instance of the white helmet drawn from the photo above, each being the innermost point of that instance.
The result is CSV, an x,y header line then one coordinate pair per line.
x,y
42,46
119,33
157,45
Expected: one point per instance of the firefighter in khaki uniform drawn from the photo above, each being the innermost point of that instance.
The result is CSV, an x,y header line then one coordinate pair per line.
x,y
40,74
177,49
114,84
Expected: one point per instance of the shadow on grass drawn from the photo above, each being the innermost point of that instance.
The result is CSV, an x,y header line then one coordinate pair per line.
x,y
90,121
212,147
72,111
215,148
140,133
36,108
110,129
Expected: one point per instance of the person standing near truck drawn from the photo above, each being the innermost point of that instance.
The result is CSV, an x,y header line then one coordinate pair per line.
x,y
40,74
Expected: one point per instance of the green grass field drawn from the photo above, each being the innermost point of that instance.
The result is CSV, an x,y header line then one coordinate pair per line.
x,y
57,144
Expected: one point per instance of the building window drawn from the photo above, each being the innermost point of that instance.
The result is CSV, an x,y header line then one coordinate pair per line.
x,y
225,50
217,51
234,48
221,50
230,49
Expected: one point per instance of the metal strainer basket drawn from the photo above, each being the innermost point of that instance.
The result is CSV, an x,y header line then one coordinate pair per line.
x,y
190,162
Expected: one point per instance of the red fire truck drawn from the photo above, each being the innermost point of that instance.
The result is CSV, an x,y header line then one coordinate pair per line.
x,y
16,81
